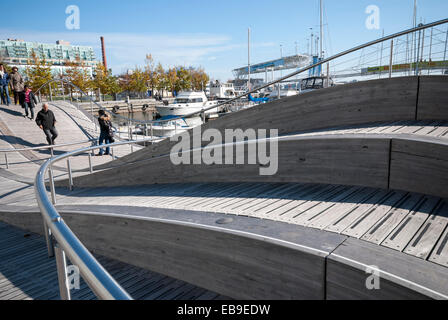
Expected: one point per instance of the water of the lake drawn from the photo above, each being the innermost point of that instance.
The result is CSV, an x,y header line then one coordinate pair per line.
x,y
144,116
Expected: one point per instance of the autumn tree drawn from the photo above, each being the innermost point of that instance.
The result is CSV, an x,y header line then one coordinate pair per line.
x,y
104,81
138,81
171,79
162,81
184,79
77,74
38,73
151,73
199,78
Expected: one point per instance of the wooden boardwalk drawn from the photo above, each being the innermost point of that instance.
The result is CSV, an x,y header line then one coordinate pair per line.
x,y
414,224
26,273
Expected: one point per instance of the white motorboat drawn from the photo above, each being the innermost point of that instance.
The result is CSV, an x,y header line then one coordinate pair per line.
x,y
186,103
283,94
169,126
222,91
315,83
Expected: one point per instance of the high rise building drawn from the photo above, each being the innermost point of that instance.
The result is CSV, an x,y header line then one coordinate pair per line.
x,y
18,53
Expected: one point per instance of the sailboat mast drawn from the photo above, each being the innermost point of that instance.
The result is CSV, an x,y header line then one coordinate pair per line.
x,y
321,29
248,59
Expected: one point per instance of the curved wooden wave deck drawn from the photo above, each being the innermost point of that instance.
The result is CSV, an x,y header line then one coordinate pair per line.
x,y
362,182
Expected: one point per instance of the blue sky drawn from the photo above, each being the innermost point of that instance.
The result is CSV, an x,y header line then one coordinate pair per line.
x,y
211,34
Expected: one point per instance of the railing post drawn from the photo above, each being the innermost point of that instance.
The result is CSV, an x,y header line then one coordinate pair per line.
x,y
51,92
52,189
70,177
94,144
152,133
90,162
146,132
63,91
61,265
6,160
446,44
49,240
391,57
430,51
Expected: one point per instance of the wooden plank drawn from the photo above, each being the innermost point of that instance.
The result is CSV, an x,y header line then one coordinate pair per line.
x,y
368,218
308,211
440,252
380,230
311,194
406,230
341,209
425,239
264,199
289,196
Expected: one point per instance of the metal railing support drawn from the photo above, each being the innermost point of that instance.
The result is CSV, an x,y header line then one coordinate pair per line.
x,y
52,189
48,240
70,176
63,90
391,57
6,160
90,162
61,265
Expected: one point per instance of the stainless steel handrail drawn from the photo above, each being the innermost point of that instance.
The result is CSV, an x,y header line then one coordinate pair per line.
x,y
48,147
97,278
51,148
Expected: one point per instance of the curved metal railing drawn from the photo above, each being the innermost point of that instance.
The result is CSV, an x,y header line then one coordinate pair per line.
x,y
51,148
97,278
62,242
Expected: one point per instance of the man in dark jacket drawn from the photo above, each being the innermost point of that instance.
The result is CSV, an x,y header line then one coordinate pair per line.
x,y
4,82
46,121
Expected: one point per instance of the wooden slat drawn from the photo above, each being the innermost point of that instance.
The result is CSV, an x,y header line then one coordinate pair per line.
x,y
422,244
380,230
403,233
368,218
440,252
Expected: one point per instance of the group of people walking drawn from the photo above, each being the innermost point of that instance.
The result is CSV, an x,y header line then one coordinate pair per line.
x,y
45,119
24,96
22,93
